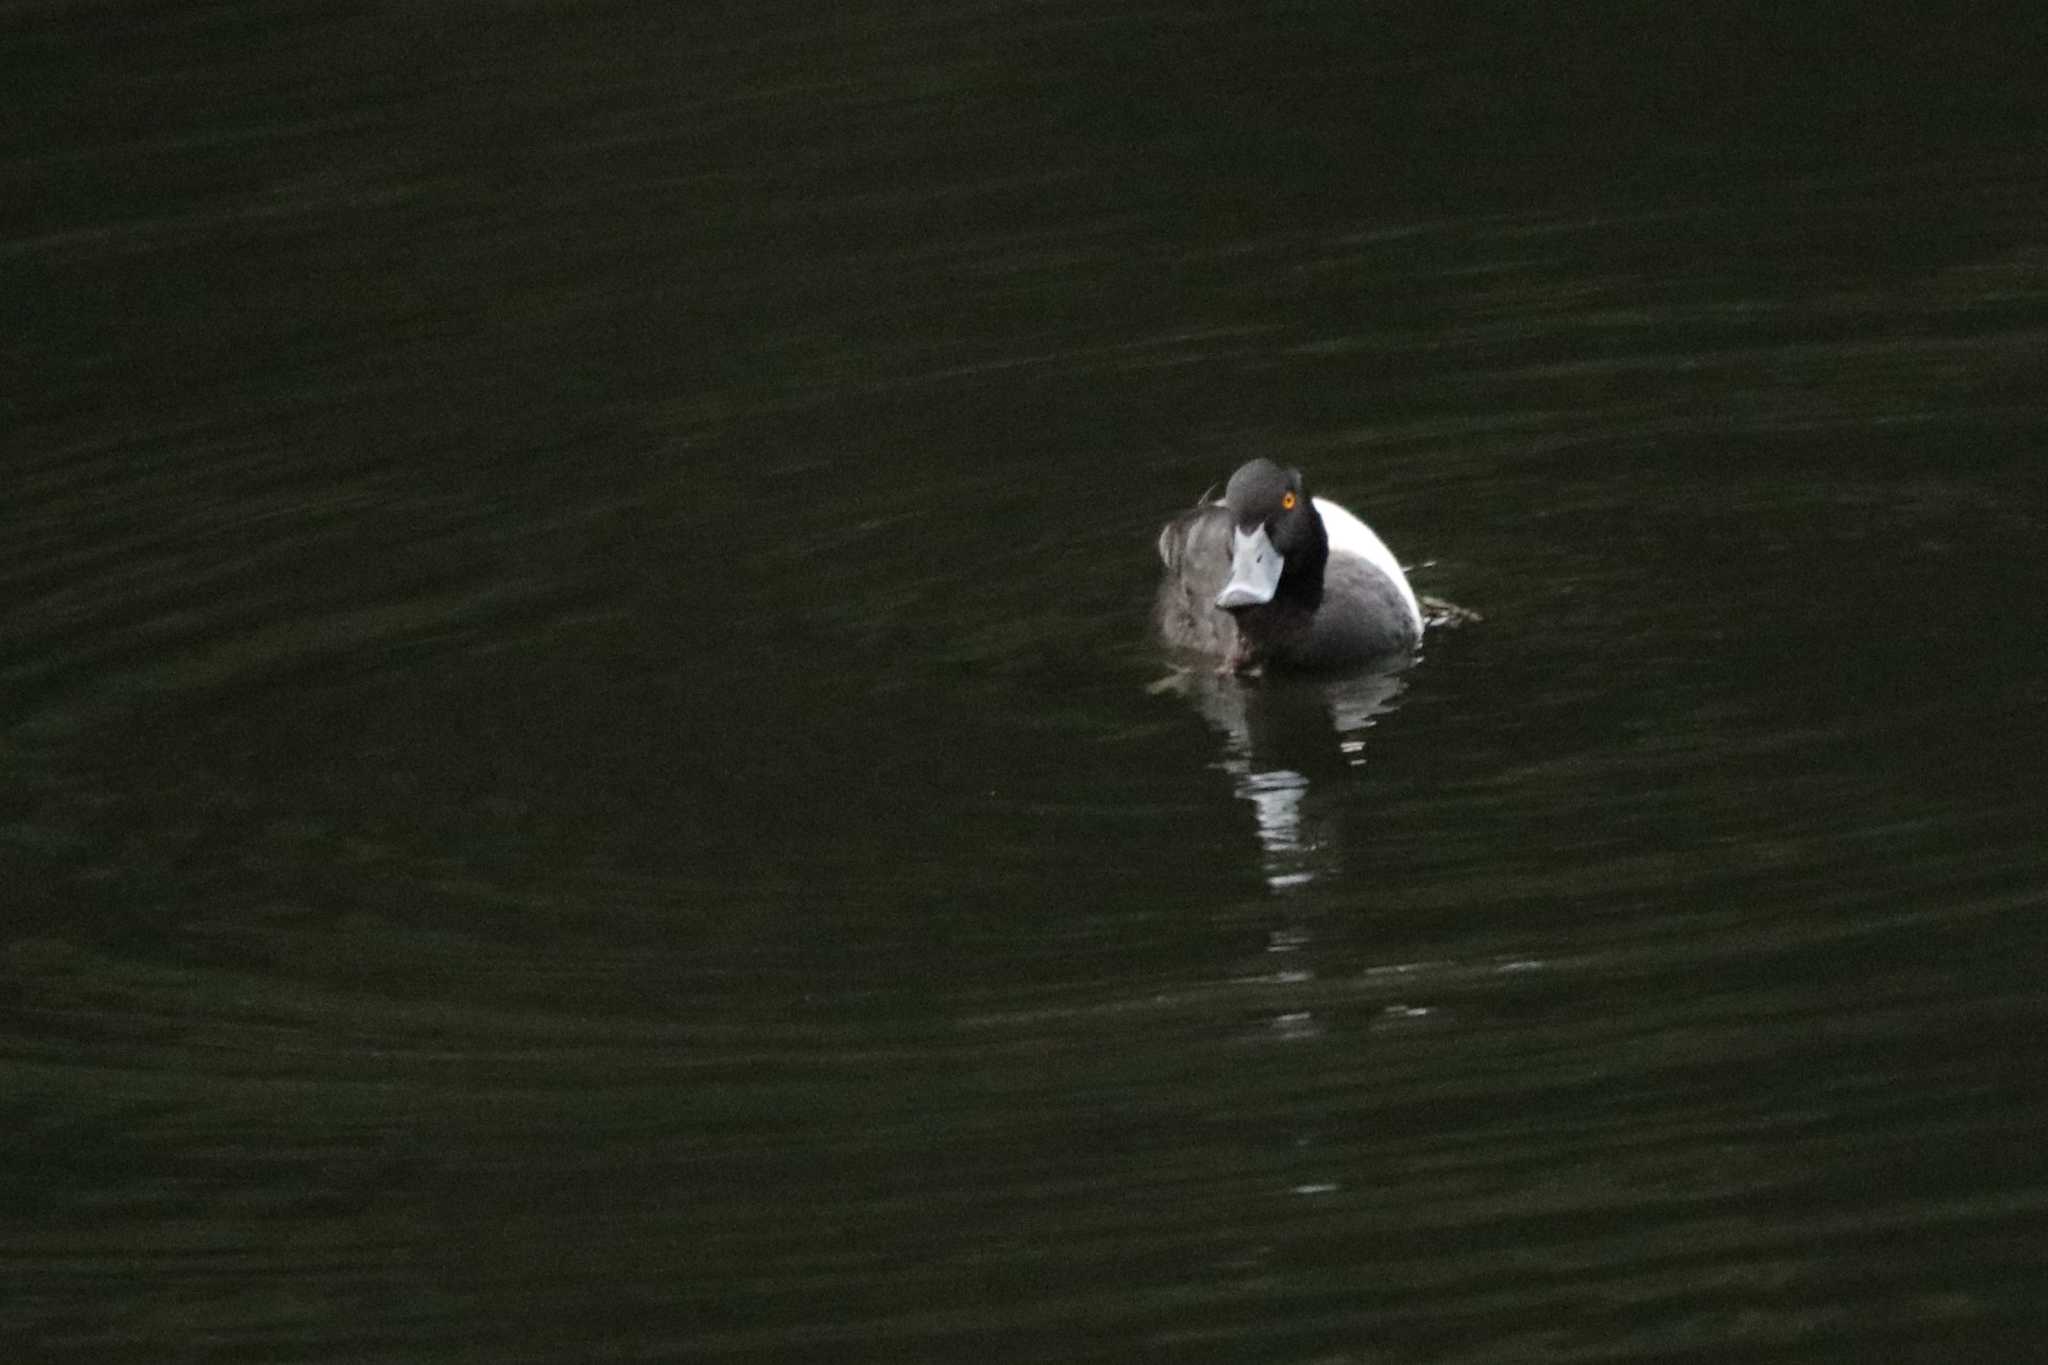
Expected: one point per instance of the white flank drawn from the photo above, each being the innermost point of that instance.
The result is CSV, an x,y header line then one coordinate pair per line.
x,y
1349,535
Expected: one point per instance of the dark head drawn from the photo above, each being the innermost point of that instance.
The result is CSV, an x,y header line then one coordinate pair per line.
x,y
1278,545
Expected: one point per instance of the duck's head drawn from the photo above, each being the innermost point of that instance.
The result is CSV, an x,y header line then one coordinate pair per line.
x,y
1277,540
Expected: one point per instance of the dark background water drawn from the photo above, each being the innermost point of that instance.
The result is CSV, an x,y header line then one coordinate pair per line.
x,y
581,776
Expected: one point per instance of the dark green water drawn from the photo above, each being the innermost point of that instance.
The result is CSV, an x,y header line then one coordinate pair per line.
x,y
581,776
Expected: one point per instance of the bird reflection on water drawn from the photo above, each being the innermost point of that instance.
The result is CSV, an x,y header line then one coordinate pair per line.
x,y
1280,737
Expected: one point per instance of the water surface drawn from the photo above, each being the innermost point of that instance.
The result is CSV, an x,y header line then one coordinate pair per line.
x,y
583,776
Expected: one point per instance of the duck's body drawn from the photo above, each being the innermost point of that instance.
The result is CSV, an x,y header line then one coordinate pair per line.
x,y
1272,576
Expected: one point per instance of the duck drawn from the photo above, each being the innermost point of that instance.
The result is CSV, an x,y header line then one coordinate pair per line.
x,y
1269,576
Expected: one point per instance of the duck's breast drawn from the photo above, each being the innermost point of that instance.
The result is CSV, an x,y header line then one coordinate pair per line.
x,y
1364,615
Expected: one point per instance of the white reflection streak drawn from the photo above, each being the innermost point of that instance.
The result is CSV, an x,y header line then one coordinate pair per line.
x,y
1275,795
1276,800
1278,795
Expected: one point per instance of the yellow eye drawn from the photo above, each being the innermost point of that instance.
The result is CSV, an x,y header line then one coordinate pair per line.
x,y
1287,501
